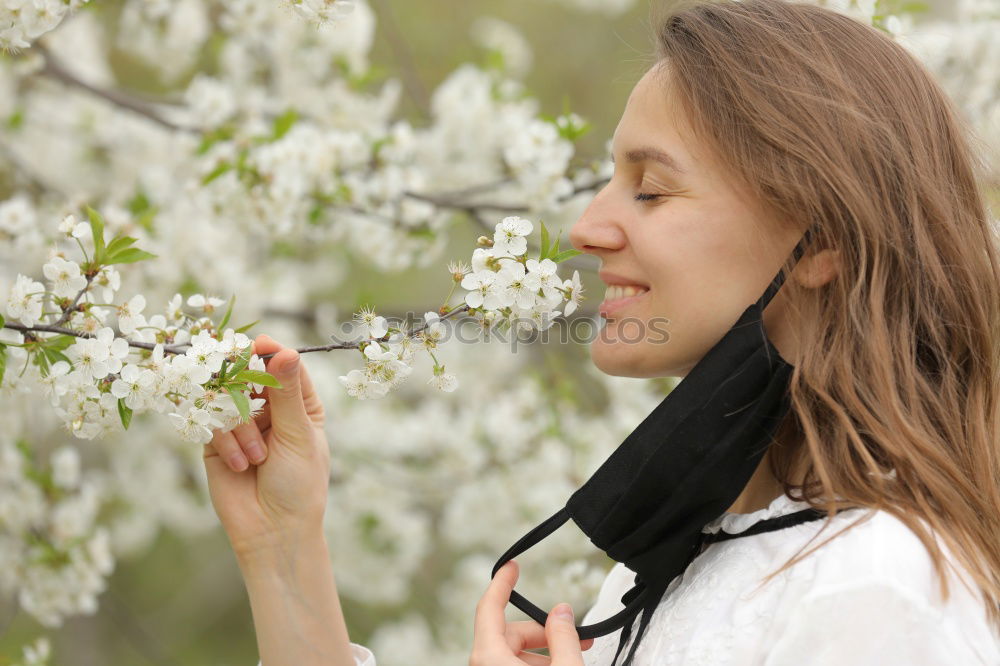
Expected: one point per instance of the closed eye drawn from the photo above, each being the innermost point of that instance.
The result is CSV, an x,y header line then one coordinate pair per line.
x,y
643,196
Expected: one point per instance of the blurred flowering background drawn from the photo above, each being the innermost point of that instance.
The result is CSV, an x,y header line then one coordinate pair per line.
x,y
292,164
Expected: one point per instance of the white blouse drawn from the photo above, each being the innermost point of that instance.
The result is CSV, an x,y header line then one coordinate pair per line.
x,y
869,597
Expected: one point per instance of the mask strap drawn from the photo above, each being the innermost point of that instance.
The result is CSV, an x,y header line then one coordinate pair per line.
x,y
779,279
617,621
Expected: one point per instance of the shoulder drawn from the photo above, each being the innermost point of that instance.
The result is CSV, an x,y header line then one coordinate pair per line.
x,y
879,546
877,579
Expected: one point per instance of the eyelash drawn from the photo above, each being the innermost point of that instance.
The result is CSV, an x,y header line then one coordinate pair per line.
x,y
642,196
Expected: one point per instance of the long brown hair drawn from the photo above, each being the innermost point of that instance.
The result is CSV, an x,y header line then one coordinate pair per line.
x,y
829,121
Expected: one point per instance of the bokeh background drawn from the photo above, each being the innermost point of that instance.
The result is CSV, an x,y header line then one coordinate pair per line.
x,y
428,489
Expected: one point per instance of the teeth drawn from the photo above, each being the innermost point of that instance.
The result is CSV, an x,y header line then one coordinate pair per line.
x,y
617,291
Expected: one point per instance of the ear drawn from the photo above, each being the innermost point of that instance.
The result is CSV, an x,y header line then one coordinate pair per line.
x,y
817,269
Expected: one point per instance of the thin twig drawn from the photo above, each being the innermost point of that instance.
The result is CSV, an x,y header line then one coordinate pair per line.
x,y
462,308
451,202
68,312
54,69
182,349
46,328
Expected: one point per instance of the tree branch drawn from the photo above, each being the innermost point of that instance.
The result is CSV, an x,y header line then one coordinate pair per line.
x,y
182,349
68,312
55,70
449,201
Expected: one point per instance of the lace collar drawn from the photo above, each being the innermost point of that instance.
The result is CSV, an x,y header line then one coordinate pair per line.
x,y
734,523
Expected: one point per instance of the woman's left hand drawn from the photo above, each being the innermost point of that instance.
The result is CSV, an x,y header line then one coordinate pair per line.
x,y
498,643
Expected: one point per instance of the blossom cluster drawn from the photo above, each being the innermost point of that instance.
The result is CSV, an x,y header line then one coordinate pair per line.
x,y
207,380
36,653
273,165
56,555
321,11
504,288
23,21
91,375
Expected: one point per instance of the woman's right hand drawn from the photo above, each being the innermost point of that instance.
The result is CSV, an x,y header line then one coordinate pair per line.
x,y
267,503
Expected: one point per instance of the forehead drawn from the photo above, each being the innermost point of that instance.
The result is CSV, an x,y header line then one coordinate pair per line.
x,y
653,117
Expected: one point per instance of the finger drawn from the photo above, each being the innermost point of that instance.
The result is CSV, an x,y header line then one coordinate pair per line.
x,y
249,437
525,635
229,450
490,623
564,642
263,417
288,415
533,659
528,635
310,398
305,381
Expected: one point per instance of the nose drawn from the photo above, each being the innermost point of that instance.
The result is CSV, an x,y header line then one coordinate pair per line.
x,y
599,228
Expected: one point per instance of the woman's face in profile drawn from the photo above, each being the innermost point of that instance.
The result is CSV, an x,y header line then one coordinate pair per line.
x,y
675,227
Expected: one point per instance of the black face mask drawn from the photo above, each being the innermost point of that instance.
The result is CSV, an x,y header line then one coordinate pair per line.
x,y
681,468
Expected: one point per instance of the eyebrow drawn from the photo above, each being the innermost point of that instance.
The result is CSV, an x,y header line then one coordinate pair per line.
x,y
654,154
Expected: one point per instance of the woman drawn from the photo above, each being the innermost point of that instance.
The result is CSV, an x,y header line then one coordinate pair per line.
x,y
758,119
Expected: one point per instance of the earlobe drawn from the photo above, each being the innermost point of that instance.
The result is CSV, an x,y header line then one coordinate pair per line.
x,y
818,269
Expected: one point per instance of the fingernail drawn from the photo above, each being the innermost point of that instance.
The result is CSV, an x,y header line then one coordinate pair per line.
x,y
256,452
238,462
564,612
294,363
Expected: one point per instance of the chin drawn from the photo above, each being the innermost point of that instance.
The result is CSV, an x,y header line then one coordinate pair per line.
x,y
621,360
625,360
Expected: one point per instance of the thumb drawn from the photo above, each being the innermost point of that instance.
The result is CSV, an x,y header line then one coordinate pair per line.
x,y
561,637
288,412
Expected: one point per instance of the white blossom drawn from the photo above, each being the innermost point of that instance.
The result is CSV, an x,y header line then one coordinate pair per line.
x,y
135,385
374,326
510,235
130,315
576,292
25,300
195,424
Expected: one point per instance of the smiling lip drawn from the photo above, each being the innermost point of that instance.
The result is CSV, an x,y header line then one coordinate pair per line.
x,y
613,278
607,307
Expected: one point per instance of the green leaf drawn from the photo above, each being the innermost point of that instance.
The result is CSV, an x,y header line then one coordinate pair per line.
x,y
16,119
125,412
3,361
216,172
242,403
42,361
240,365
129,255
239,386
229,312
545,243
258,377
145,219
97,232
54,356
60,342
244,329
284,122
564,255
119,243
139,203
555,248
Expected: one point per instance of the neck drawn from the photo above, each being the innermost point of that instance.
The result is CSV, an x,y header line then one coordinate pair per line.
x,y
760,491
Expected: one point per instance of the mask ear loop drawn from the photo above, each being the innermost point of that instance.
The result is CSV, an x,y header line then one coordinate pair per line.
x,y
633,606
779,279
